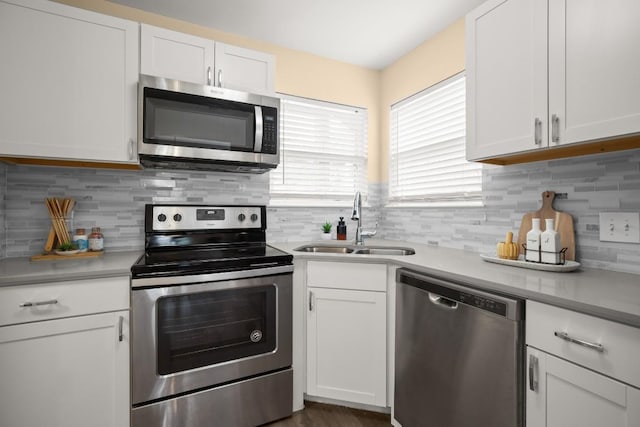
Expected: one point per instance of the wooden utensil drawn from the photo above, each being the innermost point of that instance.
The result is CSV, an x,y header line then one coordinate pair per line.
x,y
48,246
59,211
563,223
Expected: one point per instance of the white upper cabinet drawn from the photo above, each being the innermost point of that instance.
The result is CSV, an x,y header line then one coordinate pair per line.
x,y
174,55
68,83
594,68
543,74
506,67
244,69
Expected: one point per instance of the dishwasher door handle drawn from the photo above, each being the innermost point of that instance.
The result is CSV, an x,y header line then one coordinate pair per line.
x,y
443,302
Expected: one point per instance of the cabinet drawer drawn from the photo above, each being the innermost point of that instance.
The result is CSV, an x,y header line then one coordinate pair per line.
x,y
621,343
72,298
351,275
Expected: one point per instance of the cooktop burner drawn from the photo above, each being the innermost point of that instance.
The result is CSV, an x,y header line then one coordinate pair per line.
x,y
193,239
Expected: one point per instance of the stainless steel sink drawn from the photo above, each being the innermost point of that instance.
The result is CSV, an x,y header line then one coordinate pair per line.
x,y
384,251
357,250
326,249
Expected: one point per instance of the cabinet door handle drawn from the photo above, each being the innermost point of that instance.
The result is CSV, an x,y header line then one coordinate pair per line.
x,y
131,148
219,78
209,76
120,328
533,373
565,336
555,128
310,301
537,130
37,303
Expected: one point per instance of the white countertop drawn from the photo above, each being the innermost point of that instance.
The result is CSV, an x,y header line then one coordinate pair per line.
x,y
23,271
607,294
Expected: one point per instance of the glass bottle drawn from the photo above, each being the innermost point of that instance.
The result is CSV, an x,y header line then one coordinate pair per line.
x,y
96,240
80,240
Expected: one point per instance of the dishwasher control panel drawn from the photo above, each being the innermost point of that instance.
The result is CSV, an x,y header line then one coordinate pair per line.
x,y
448,293
484,303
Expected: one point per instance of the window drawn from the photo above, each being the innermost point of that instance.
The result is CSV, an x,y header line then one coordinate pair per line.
x,y
427,149
323,154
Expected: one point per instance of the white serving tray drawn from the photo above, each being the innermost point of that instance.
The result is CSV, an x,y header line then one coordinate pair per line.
x,y
561,268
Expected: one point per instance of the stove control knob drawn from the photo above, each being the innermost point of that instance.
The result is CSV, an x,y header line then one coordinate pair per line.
x,y
241,217
254,217
162,217
177,217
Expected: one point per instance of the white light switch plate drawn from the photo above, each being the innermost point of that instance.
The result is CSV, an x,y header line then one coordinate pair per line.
x,y
620,227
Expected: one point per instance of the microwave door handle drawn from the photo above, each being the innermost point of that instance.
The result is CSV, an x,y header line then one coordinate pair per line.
x,y
257,146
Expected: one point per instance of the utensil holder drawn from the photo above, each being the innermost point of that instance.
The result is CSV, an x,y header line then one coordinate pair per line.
x,y
561,255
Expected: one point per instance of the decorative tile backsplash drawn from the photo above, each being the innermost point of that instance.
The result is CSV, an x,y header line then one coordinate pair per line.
x,y
115,199
593,184
112,199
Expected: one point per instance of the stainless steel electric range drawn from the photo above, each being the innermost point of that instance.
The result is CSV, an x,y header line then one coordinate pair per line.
x,y
211,320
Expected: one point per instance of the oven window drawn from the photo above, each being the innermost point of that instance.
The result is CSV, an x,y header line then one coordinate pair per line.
x,y
195,121
206,328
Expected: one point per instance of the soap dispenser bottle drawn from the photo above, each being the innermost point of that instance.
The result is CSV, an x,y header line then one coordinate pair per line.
x,y
342,229
550,243
533,241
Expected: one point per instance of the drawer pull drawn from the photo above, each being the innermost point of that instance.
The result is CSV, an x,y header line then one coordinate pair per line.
x,y
566,337
34,304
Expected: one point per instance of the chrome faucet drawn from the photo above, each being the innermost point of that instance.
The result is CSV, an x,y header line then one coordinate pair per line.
x,y
357,216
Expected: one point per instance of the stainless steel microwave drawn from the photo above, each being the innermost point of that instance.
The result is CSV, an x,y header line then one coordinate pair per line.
x,y
188,126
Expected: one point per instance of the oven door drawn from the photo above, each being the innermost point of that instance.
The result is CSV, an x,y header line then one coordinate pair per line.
x,y
194,336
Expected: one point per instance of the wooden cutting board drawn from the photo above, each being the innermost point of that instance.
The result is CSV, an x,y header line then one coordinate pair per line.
x,y
563,225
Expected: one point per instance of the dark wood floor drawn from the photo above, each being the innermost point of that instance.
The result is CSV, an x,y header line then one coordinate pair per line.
x,y
323,415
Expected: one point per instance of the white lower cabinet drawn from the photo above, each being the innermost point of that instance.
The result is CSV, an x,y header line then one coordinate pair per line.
x,y
568,395
347,332
582,371
65,371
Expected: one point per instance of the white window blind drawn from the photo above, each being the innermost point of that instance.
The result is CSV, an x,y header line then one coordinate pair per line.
x,y
323,153
427,148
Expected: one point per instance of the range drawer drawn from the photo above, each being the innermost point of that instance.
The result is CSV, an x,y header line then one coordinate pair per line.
x,y
347,275
30,303
618,359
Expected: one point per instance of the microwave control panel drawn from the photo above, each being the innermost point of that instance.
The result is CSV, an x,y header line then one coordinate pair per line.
x,y
269,130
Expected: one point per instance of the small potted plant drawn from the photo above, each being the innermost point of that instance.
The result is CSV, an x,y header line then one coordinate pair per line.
x,y
326,231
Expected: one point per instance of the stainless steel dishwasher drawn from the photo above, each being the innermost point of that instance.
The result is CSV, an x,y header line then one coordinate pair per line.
x,y
459,356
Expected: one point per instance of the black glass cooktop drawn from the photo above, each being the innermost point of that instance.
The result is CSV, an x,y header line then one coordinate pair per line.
x,y
208,260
